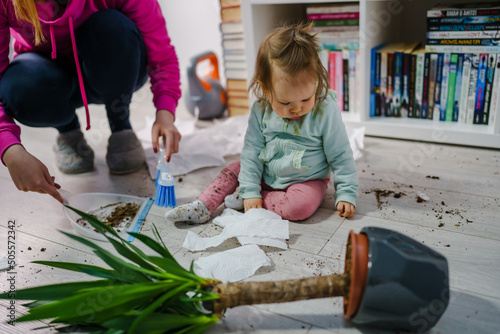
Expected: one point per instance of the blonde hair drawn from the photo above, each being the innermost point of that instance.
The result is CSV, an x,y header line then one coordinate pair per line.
x,y
293,49
26,10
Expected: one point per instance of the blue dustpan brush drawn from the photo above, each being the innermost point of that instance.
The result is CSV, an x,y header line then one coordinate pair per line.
x,y
165,192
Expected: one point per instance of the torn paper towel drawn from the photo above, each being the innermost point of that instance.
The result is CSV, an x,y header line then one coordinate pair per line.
x,y
5,264
228,266
256,226
207,147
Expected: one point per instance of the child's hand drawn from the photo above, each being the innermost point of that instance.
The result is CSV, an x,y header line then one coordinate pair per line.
x,y
252,203
346,209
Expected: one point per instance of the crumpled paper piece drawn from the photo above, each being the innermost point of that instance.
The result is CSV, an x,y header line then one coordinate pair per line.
x,y
208,146
256,226
227,266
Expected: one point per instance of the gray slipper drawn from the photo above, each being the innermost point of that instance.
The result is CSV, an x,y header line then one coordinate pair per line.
x,y
125,153
73,154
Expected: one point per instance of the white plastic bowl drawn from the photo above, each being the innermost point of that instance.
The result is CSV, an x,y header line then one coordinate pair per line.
x,y
90,202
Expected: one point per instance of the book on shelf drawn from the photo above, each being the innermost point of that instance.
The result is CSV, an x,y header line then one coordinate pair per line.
x,y
237,101
339,81
495,93
480,85
441,81
331,69
237,93
464,9
488,87
425,89
375,81
236,84
332,16
464,93
419,83
234,57
458,87
234,73
332,8
432,86
230,3
345,79
478,42
335,29
452,78
406,78
336,23
476,34
237,64
232,13
352,81
232,27
464,20
233,44
463,27
471,98
386,76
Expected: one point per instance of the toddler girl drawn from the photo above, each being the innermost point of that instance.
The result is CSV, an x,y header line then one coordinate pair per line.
x,y
295,139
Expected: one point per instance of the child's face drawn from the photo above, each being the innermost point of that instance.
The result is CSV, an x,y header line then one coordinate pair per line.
x,y
293,96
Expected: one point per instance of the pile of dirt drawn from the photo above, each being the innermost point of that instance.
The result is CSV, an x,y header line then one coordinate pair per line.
x,y
121,213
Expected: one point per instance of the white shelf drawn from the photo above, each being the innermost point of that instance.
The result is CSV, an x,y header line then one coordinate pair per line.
x,y
380,21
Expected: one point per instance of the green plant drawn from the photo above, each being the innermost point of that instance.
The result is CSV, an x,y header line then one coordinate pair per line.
x,y
153,294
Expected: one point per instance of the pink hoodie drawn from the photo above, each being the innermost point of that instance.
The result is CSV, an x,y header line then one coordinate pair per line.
x,y
163,65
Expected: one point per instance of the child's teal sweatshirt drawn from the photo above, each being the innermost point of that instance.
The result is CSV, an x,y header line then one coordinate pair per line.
x,y
284,151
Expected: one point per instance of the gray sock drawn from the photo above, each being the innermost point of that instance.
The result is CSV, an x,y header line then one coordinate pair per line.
x,y
233,201
195,212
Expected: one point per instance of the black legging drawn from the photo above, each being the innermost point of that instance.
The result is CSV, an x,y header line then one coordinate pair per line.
x,y
42,92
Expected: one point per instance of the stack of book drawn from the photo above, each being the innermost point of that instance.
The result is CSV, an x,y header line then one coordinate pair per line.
x,y
337,28
407,81
466,28
234,59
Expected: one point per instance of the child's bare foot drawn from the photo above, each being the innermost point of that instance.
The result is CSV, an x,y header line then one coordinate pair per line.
x,y
195,212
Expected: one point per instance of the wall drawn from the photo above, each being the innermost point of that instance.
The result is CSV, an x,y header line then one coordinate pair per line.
x,y
193,26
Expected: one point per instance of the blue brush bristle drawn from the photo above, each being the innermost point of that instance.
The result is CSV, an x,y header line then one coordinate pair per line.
x,y
165,196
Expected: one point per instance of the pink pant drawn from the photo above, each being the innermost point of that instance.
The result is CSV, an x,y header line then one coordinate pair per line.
x,y
297,202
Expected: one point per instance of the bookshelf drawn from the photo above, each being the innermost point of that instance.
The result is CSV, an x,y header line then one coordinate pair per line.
x,y
380,21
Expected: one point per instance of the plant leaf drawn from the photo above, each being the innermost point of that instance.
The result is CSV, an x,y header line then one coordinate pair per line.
x,y
151,243
86,268
56,291
98,225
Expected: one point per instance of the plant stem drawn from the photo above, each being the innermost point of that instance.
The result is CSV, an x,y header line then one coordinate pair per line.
x,y
249,293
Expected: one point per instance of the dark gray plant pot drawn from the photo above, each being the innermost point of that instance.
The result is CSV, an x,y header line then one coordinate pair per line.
x,y
407,285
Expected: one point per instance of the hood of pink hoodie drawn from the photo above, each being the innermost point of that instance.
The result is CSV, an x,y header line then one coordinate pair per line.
x,y
60,36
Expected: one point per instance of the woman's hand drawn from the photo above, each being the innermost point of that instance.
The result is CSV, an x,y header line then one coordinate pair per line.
x,y
29,173
164,127
346,209
252,203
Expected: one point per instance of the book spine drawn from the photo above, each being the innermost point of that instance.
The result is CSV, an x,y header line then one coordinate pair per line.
x,y
419,85
332,16
390,85
480,34
383,82
339,74
451,87
437,88
412,85
464,20
462,49
341,46
451,12
490,72
345,78
331,69
432,85
458,87
495,93
481,81
463,27
357,81
398,76
352,81
471,99
464,94
464,41
332,9
425,91
405,90
444,87
336,23
373,81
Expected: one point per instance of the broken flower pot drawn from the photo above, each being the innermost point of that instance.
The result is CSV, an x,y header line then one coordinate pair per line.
x,y
396,282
